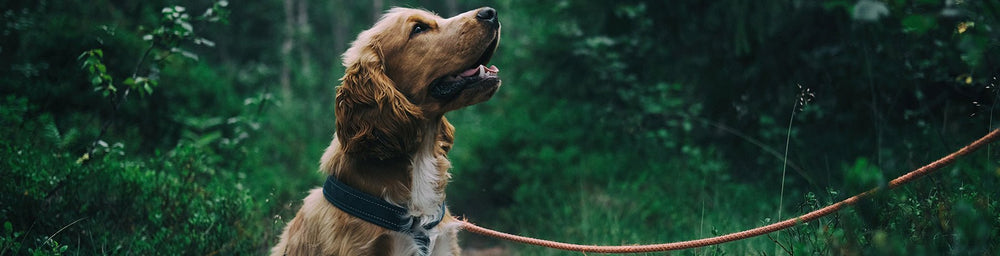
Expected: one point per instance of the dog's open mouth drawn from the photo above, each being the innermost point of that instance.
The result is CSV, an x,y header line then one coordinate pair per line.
x,y
449,86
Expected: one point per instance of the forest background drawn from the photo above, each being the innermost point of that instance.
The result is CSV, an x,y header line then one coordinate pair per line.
x,y
195,127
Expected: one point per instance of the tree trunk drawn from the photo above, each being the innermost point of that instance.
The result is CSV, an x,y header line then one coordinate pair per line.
x,y
376,10
341,20
286,49
304,34
452,7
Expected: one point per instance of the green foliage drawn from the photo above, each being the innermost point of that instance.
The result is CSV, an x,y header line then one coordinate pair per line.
x,y
188,200
919,219
99,77
10,240
174,29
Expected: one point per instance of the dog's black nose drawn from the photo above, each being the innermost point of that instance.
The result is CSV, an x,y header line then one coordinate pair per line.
x,y
487,14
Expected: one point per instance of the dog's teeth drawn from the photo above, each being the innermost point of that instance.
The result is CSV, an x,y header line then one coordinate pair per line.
x,y
488,71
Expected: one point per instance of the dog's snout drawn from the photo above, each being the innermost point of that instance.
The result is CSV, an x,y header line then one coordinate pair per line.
x,y
487,14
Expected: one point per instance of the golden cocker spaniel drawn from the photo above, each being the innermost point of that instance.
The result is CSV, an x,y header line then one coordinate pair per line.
x,y
387,163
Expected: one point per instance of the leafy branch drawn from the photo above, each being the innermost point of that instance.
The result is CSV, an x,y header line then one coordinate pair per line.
x,y
164,40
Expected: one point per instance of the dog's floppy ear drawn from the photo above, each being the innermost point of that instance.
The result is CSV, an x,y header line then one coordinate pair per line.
x,y
374,120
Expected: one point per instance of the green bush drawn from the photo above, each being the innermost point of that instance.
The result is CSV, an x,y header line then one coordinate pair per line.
x,y
190,200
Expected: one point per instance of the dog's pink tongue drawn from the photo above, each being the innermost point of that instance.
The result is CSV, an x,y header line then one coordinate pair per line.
x,y
471,71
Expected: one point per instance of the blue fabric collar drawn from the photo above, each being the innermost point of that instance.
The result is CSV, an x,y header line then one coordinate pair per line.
x,y
377,211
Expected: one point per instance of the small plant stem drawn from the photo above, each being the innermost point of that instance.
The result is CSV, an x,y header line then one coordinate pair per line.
x,y
876,117
135,71
784,168
775,240
996,97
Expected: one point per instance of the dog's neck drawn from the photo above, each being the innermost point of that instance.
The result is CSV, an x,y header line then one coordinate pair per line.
x,y
416,182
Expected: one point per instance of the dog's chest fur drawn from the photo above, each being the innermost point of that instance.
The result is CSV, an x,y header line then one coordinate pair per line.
x,y
428,170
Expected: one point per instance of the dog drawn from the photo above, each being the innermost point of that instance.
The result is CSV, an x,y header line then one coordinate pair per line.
x,y
387,165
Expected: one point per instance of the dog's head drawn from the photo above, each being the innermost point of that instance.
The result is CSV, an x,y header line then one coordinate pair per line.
x,y
413,65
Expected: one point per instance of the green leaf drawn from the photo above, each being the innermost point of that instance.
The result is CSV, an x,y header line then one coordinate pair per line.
x,y
208,138
130,82
149,90
918,23
96,80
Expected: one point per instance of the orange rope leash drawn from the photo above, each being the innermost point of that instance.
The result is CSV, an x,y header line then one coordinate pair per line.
x,y
934,166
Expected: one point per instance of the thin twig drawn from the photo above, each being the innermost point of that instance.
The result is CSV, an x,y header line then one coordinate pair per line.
x,y
61,229
775,240
135,71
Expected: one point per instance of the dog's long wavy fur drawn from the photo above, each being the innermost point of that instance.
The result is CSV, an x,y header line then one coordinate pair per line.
x,y
392,138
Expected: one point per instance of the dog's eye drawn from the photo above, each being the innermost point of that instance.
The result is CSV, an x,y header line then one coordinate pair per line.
x,y
419,28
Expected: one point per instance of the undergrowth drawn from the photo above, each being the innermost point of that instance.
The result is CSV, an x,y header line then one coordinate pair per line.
x,y
188,200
